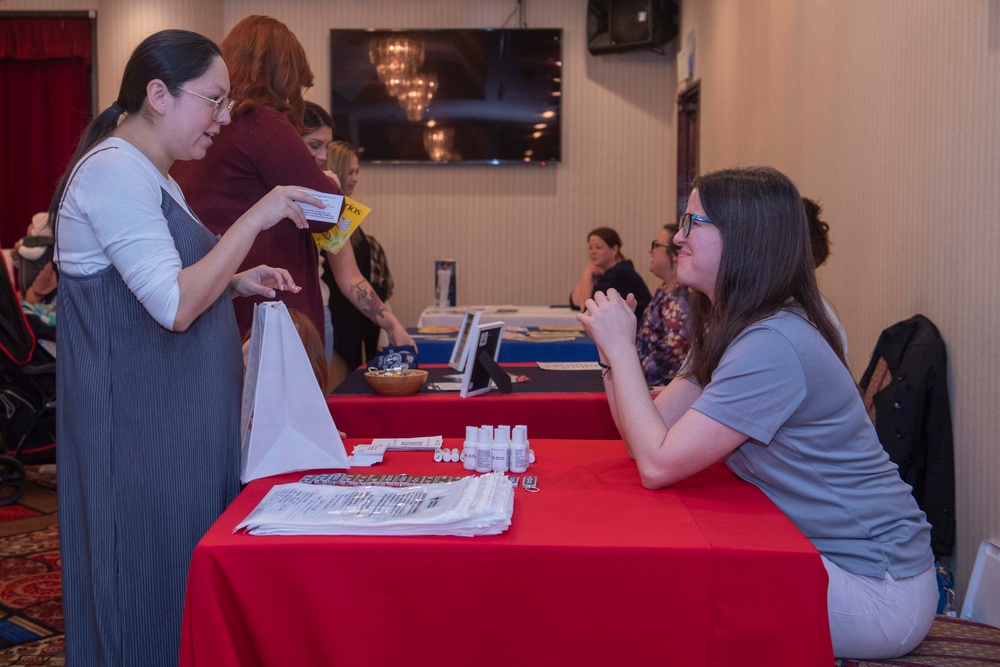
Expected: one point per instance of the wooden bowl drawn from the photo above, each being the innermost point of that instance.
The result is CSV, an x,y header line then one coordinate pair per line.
x,y
402,383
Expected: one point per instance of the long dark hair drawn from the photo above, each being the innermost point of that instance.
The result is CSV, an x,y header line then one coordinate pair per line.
x,y
172,56
314,117
818,231
766,261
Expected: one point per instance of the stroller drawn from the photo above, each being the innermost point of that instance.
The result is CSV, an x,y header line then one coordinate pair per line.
x,y
27,396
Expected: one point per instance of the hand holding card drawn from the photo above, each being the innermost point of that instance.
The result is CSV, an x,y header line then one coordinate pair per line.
x,y
329,214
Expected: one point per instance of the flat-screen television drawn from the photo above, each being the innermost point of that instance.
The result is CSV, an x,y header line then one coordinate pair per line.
x,y
448,96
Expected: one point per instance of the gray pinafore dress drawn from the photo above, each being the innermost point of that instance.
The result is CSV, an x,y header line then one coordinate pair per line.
x,y
148,449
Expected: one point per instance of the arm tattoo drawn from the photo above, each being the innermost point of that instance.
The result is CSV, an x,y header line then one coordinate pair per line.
x,y
367,301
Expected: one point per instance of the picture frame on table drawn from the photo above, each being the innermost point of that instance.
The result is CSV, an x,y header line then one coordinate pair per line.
x,y
481,366
459,353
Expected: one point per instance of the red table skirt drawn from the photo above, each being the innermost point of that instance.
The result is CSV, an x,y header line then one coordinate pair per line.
x,y
570,416
595,570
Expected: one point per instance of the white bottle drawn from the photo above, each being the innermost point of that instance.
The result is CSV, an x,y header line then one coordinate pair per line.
x,y
501,451
469,447
502,432
519,450
484,450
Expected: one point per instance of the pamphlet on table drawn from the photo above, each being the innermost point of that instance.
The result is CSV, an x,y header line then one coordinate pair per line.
x,y
482,505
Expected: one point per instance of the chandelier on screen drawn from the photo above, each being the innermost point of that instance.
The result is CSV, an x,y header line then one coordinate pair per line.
x,y
397,59
438,141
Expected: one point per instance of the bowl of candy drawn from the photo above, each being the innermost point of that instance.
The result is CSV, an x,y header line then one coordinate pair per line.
x,y
395,382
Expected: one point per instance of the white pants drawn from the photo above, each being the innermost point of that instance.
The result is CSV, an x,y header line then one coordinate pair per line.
x,y
875,618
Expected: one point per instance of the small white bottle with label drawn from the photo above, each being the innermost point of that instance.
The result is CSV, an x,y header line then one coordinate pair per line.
x,y
484,450
519,450
501,449
469,447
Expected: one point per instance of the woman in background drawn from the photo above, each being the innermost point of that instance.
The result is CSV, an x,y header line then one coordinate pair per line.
x,y
317,127
766,388
346,277
820,244
608,269
662,337
260,149
149,365
356,333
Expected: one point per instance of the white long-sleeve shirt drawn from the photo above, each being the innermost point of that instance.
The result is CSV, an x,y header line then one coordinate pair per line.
x,y
111,214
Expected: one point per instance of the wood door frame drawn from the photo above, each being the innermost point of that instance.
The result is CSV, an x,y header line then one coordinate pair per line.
x,y
688,142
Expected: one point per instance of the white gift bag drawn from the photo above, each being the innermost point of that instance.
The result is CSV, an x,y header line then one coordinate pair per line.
x,y
285,421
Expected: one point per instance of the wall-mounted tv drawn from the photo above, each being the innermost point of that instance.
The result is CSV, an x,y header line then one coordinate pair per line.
x,y
448,96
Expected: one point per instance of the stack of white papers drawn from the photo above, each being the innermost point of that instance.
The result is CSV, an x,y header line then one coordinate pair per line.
x,y
471,506
366,455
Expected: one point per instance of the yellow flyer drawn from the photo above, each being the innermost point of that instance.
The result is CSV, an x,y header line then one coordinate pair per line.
x,y
334,239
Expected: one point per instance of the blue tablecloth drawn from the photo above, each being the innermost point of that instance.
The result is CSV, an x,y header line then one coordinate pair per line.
x,y
436,349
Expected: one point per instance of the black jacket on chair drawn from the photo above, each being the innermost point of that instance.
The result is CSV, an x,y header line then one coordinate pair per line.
x,y
905,389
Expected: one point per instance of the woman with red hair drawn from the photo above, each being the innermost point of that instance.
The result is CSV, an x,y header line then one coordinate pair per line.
x,y
260,149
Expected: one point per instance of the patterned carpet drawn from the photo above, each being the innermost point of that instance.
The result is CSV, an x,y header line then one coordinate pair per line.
x,y
31,622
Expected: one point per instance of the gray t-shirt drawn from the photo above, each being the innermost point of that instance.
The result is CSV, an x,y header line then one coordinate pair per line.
x,y
813,450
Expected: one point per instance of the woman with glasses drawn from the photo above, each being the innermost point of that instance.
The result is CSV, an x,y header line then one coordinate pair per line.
x,y
149,366
766,388
662,337
260,149
608,269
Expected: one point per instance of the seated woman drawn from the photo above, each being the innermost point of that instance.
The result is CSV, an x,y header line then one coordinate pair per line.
x,y
662,339
608,269
766,388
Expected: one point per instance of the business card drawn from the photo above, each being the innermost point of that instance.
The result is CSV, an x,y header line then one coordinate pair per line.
x,y
329,214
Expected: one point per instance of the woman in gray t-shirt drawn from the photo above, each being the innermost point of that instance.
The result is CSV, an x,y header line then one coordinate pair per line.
x,y
765,387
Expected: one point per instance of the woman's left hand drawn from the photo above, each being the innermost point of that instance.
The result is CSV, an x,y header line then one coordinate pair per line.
x,y
263,281
610,321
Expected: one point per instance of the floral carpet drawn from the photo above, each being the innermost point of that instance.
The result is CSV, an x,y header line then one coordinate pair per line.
x,y
31,621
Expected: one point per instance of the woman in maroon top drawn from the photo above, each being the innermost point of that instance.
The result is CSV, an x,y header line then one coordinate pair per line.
x,y
260,149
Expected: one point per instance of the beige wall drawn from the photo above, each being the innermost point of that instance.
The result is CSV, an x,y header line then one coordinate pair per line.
x,y
888,113
885,111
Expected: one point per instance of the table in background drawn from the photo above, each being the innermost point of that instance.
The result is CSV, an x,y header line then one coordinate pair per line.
x,y
436,348
525,316
594,570
553,404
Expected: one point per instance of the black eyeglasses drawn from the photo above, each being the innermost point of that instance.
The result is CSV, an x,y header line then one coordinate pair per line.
x,y
689,219
654,245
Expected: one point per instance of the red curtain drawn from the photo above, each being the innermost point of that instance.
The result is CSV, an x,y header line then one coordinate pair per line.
x,y
44,108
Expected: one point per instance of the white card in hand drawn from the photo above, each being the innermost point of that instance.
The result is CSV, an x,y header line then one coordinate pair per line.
x,y
329,214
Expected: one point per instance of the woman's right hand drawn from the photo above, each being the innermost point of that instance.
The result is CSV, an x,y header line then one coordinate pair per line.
x,y
593,273
610,321
278,204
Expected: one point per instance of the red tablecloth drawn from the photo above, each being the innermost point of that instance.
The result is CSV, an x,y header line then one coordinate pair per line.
x,y
567,409
595,570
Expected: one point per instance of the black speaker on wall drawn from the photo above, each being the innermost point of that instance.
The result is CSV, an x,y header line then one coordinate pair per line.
x,y
617,26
